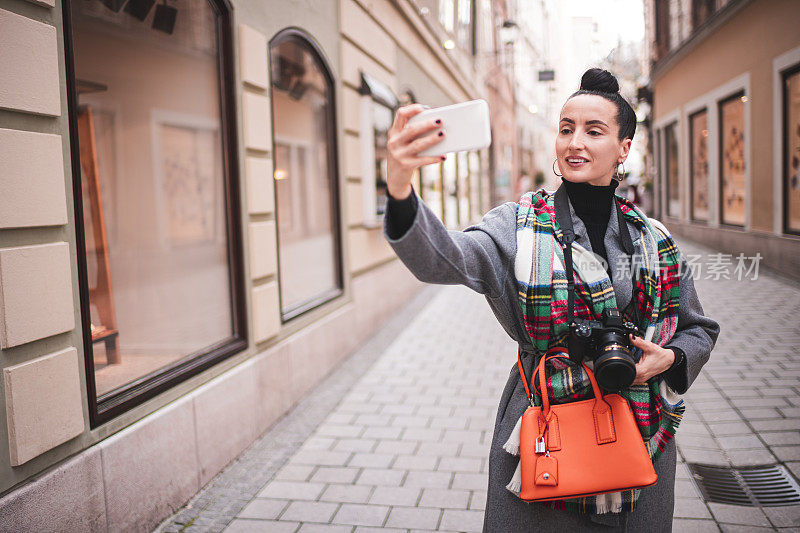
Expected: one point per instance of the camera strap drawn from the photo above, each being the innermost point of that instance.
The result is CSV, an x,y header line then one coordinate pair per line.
x,y
564,220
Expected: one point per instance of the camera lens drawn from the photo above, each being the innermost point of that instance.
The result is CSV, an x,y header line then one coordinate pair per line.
x,y
614,367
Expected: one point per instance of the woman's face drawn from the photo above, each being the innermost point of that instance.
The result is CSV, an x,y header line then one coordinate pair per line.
x,y
588,148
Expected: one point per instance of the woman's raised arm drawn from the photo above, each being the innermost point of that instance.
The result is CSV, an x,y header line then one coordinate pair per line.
x,y
480,257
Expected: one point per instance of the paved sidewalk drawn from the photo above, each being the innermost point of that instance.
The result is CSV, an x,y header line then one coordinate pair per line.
x,y
397,438
408,446
744,409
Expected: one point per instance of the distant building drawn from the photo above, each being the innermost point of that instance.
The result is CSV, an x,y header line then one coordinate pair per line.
x,y
725,82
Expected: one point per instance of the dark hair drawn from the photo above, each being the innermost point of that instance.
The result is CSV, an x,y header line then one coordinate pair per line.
x,y
603,83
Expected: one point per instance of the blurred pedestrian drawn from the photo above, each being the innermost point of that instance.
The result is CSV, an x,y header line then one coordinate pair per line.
x,y
514,257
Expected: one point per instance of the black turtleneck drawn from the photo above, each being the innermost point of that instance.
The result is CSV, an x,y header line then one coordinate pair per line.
x,y
592,204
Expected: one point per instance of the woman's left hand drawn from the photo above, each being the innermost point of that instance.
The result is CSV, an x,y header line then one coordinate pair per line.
x,y
655,359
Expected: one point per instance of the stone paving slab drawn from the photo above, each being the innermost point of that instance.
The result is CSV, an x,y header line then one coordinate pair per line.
x,y
403,444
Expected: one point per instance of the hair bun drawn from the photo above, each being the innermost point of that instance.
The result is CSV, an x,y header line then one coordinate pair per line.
x,y
597,79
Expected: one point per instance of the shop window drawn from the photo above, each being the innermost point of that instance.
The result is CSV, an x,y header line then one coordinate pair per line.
x,y
474,167
659,166
698,123
662,23
672,172
449,183
378,104
702,10
732,160
309,251
791,147
432,188
462,188
155,175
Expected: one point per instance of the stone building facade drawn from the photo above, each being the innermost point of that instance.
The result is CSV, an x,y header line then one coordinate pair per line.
x,y
725,82
191,202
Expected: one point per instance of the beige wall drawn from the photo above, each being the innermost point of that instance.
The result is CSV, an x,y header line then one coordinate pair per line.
x,y
43,384
745,44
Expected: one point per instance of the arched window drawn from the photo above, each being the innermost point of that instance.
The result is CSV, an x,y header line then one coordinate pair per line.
x,y
304,148
154,166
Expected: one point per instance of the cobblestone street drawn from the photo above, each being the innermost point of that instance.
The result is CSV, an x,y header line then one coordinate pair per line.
x,y
397,438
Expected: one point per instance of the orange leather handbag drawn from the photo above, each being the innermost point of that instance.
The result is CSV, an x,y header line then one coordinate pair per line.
x,y
581,448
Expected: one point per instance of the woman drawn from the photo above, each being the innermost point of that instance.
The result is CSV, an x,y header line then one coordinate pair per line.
x,y
596,129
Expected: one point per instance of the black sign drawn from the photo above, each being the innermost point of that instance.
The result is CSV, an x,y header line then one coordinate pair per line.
x,y
547,75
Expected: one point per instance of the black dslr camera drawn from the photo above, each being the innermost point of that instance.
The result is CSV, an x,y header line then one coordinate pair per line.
x,y
607,344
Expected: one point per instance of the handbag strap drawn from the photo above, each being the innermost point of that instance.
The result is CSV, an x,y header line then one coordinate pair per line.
x,y
535,370
539,373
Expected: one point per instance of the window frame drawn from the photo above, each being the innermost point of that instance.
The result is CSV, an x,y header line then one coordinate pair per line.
x,y
784,75
692,216
122,399
303,38
720,149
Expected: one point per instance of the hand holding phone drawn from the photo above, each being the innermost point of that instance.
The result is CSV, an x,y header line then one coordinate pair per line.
x,y
421,136
466,127
404,144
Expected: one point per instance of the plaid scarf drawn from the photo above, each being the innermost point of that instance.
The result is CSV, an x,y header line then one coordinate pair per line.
x,y
542,285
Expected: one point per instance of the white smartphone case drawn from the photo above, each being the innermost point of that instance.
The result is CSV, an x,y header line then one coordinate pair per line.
x,y
466,127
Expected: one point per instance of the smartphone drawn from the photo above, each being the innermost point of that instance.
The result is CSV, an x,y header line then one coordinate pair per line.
x,y
466,127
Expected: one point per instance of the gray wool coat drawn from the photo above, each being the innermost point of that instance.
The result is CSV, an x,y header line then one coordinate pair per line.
x,y
482,258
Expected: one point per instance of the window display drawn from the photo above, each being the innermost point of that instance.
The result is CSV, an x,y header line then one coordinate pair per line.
x,y
732,160
699,165
671,168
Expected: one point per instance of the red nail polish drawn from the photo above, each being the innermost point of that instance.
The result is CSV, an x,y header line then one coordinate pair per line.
x,y
443,158
438,121
441,133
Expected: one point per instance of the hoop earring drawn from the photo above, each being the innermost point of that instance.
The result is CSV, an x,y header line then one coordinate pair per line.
x,y
617,175
554,169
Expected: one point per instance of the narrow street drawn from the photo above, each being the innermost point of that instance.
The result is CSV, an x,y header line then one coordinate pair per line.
x,y
397,438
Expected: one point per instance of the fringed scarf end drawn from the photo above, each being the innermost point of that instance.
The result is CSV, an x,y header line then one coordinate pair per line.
x,y
512,444
608,503
515,485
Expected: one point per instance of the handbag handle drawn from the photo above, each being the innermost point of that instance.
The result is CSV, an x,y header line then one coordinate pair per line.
x,y
543,384
603,416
